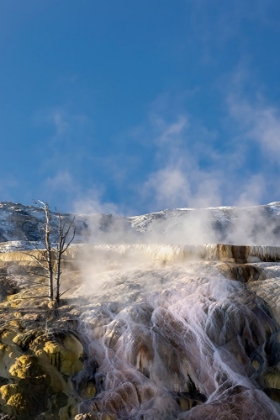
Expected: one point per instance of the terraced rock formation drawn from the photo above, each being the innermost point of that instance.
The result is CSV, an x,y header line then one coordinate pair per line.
x,y
146,329
153,332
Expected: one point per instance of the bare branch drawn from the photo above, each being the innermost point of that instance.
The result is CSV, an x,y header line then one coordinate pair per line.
x,y
38,260
69,243
64,292
50,257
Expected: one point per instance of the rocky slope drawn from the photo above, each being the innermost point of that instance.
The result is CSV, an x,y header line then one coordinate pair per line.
x,y
143,330
39,348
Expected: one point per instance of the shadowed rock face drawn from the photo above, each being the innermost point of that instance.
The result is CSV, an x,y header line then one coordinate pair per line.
x,y
20,226
236,403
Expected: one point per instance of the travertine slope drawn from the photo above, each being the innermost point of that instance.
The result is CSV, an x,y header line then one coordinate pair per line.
x,y
152,330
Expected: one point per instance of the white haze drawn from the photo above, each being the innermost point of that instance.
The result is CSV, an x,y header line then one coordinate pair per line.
x,y
149,311
256,225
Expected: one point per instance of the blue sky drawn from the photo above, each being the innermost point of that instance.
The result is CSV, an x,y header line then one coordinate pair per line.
x,y
135,106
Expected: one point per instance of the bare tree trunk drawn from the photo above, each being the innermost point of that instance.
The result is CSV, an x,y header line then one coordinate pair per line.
x,y
49,250
62,246
58,279
58,258
50,258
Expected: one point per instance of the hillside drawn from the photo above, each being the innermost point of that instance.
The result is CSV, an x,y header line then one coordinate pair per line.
x,y
155,322
259,225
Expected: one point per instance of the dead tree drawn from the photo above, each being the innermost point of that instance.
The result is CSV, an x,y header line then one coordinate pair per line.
x,y
48,248
64,230
50,257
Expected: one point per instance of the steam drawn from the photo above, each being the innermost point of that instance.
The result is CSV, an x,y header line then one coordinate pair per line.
x,y
255,225
190,164
155,331
157,323
161,321
260,122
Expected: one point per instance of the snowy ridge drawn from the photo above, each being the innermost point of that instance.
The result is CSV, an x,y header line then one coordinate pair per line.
x,y
257,225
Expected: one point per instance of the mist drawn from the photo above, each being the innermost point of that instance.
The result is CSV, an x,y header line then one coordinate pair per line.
x,y
255,225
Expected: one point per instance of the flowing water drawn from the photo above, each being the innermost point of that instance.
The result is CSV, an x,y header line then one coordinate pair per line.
x,y
169,337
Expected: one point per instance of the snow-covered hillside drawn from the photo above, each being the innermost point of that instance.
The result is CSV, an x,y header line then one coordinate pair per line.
x,y
258,225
